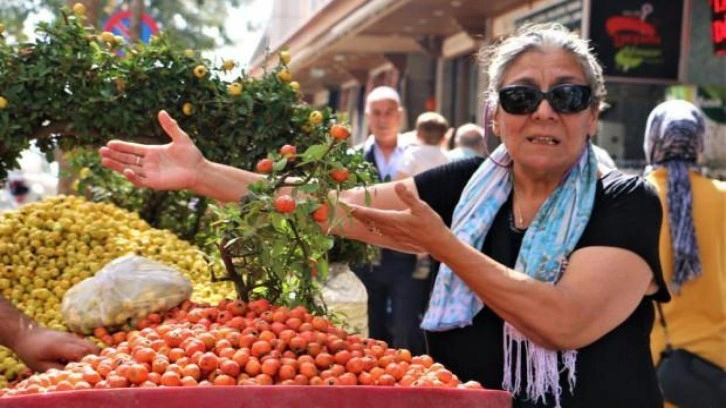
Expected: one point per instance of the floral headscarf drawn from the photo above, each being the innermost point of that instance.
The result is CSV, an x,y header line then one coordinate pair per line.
x,y
674,140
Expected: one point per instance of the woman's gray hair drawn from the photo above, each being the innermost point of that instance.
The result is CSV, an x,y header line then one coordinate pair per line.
x,y
497,57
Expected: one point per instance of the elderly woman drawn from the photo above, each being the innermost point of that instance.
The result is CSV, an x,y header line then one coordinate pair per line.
x,y
548,267
692,241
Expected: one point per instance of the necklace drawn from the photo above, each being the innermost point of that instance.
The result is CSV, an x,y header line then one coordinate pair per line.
x,y
519,220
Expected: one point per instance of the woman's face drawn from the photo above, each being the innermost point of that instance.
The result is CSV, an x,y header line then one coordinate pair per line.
x,y
545,142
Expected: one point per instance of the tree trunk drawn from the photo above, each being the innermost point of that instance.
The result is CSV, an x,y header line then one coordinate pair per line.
x,y
137,10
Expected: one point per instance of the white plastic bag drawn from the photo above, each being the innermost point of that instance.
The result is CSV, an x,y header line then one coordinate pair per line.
x,y
344,293
124,291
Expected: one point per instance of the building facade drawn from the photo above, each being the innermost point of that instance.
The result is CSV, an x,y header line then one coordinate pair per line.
x,y
427,49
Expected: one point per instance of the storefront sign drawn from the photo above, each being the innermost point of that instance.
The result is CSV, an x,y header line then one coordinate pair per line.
x,y
637,39
565,12
711,99
718,26
120,21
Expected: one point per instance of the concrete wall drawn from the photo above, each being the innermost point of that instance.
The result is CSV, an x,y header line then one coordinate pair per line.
x,y
420,84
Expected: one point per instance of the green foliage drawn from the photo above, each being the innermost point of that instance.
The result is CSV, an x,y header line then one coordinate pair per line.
x,y
276,253
187,23
14,13
181,212
75,88
198,18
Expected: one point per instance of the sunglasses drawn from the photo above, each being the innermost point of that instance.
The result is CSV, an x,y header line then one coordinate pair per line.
x,y
565,98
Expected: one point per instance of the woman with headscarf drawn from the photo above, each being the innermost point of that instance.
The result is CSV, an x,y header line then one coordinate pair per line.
x,y
693,235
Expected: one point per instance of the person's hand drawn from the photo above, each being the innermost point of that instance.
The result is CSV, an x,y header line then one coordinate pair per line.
x,y
172,166
419,229
42,349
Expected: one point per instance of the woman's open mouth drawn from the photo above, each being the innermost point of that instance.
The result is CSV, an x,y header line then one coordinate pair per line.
x,y
545,140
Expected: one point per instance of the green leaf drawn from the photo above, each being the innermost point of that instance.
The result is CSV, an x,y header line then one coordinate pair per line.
x,y
309,188
277,220
314,153
280,165
323,269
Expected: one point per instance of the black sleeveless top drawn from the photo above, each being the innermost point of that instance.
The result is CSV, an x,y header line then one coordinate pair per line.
x,y
614,371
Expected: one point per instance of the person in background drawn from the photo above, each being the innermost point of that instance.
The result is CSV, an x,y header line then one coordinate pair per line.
x,y
39,348
17,193
468,143
693,236
426,153
394,296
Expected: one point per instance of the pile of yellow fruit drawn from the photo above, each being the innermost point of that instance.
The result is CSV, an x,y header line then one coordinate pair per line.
x,y
48,246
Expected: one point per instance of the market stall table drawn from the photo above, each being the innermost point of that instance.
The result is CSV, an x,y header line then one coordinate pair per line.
x,y
266,396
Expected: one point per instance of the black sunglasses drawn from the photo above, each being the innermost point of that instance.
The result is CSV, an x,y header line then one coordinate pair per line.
x,y
565,98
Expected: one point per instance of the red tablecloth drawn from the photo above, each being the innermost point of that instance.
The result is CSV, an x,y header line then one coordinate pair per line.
x,y
265,396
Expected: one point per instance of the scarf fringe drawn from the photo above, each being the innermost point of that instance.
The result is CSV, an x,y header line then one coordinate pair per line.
x,y
543,375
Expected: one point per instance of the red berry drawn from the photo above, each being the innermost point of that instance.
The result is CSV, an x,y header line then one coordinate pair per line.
x,y
288,151
339,132
264,166
321,214
339,175
285,204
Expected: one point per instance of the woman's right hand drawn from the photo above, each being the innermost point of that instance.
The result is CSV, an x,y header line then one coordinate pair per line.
x,y
173,166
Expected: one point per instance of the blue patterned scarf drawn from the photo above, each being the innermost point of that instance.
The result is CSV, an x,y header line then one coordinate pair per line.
x,y
674,139
549,240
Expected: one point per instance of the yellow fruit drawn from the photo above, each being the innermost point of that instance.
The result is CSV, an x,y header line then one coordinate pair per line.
x,y
189,53
235,88
79,9
285,57
315,117
200,71
3,102
72,239
84,172
295,86
284,75
108,37
188,109
228,65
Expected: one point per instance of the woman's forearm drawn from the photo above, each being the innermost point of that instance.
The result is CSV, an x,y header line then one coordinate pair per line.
x,y
223,183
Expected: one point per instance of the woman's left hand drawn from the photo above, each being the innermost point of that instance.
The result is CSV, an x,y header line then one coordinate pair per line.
x,y
416,229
